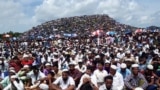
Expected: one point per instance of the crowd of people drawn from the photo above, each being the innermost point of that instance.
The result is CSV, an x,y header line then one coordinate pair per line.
x,y
120,62
78,24
124,61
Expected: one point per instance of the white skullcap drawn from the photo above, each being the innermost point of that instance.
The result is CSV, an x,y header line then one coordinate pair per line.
x,y
135,65
65,70
1,57
80,60
47,64
123,65
120,49
156,51
114,67
25,55
43,86
11,68
55,53
72,63
12,71
138,88
150,67
25,66
89,52
116,59
107,61
97,56
14,76
23,77
128,52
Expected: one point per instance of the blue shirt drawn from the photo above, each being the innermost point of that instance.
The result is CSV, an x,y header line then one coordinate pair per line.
x,y
125,73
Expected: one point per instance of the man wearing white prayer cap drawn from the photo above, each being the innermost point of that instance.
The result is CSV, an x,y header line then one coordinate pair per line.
x,y
118,82
81,67
107,65
151,77
138,88
135,76
123,70
150,67
65,82
43,87
15,84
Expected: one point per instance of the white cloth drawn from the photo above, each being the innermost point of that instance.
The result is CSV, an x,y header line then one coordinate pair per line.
x,y
19,86
118,82
59,81
78,57
120,55
33,77
103,87
82,69
100,75
92,77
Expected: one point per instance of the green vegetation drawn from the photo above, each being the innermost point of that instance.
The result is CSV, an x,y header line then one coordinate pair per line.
x,y
13,34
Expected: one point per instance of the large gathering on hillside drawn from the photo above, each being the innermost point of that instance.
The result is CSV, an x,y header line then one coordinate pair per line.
x,y
81,53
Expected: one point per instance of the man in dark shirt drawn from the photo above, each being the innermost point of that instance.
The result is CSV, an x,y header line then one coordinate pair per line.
x,y
74,73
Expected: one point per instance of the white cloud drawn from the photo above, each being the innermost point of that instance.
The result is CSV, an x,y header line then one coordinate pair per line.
x,y
52,9
12,17
20,15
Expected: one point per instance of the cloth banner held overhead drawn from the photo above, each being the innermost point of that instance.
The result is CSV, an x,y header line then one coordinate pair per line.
x,y
97,33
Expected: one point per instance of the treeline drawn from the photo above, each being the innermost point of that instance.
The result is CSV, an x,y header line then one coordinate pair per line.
x,y
11,33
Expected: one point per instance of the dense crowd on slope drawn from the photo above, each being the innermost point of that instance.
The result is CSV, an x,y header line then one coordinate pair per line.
x,y
121,62
77,24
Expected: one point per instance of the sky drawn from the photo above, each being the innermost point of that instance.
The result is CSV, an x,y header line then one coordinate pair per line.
x,y
22,15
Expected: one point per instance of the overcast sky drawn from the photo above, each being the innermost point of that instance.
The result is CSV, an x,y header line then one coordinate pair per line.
x,y
22,15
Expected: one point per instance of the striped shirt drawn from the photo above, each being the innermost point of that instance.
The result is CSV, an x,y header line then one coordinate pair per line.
x,y
132,81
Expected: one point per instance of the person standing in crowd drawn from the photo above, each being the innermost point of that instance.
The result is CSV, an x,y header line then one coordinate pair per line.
x,y
136,79
118,83
65,82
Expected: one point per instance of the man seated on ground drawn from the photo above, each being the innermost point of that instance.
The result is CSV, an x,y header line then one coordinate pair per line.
x,y
88,80
136,79
6,80
124,71
108,83
65,82
118,83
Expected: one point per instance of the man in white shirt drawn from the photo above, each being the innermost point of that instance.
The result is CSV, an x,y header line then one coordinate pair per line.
x,y
108,83
65,82
15,84
120,54
35,75
118,82
100,73
81,67
88,77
